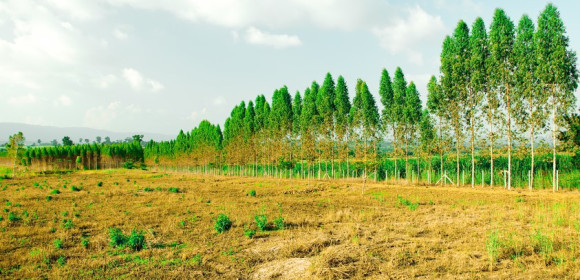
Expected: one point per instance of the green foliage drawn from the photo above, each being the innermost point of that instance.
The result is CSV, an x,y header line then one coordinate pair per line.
x,y
13,217
173,189
492,245
75,188
261,222
67,224
116,237
279,223
222,223
252,193
100,184
412,206
55,191
48,198
136,241
57,243
249,233
61,260
85,242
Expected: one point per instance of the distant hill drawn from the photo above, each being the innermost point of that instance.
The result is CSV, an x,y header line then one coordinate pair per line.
x,y
47,133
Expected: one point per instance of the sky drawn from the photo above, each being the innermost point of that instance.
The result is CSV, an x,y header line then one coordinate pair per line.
x,y
161,66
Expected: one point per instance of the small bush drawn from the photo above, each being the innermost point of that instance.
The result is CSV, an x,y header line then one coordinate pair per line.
x,y
128,165
13,217
136,241
57,243
492,245
75,188
55,191
85,242
252,193
196,259
147,189
279,223
100,184
67,224
116,237
173,190
249,233
48,198
61,260
222,224
408,203
261,222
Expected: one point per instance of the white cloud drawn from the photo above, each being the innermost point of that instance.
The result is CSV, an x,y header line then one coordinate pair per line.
x,y
119,34
106,81
408,35
258,37
197,116
22,100
101,116
138,82
63,100
219,100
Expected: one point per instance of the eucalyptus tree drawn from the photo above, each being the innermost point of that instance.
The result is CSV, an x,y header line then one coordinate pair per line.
x,y
325,106
296,112
479,54
387,100
501,37
427,138
397,109
342,108
308,120
436,106
250,133
530,101
281,121
15,143
412,118
557,71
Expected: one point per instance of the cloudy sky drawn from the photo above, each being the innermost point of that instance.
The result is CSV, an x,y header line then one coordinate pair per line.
x,y
161,66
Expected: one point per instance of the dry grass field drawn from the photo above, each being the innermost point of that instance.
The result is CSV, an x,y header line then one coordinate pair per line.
x,y
329,230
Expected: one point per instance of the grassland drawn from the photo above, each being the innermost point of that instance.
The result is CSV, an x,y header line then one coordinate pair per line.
x,y
59,226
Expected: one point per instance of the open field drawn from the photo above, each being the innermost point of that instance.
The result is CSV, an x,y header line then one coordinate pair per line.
x,y
330,230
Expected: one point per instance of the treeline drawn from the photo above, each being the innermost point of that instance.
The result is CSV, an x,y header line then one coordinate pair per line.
x,y
84,156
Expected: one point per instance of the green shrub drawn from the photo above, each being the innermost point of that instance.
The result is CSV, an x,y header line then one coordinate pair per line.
x,y
408,203
67,224
13,217
116,237
279,223
100,184
222,224
55,191
147,189
128,165
492,245
48,198
173,190
75,188
196,259
85,242
61,260
252,193
249,233
261,222
136,241
57,243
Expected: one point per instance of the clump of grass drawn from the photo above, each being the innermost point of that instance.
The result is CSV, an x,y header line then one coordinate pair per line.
x,y
252,193
57,243
100,184
75,188
67,224
519,199
55,191
85,242
222,223
492,246
249,233
412,206
261,222
196,259
135,241
542,244
13,217
147,189
279,223
173,189
48,198
61,260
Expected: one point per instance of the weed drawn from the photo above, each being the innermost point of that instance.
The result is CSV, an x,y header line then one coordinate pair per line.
x,y
85,242
222,223
147,189
75,188
519,199
279,223
116,237
61,260
249,233
252,193
55,191
136,240
196,259
13,217
67,224
492,246
261,222
408,203
57,243
182,223
542,244
173,190
100,184
48,198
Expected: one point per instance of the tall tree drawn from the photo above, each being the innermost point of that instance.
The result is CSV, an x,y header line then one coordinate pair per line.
x,y
412,118
436,106
479,54
342,109
501,37
66,141
15,143
396,111
427,137
556,70
387,100
325,107
529,104
308,120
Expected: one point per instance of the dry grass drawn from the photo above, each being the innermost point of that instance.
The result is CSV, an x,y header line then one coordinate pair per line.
x,y
331,230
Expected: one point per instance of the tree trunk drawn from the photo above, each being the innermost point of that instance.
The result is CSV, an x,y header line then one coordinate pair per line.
x,y
491,145
554,128
509,124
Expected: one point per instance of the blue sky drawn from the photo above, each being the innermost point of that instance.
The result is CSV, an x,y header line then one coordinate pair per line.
x,y
161,66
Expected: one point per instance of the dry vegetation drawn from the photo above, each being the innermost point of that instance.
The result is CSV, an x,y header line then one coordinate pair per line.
x,y
330,229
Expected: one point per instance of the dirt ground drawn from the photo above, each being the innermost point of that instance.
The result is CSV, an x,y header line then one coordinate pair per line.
x,y
330,229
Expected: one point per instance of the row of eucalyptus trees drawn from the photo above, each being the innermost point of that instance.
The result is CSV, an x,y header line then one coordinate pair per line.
x,y
511,80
